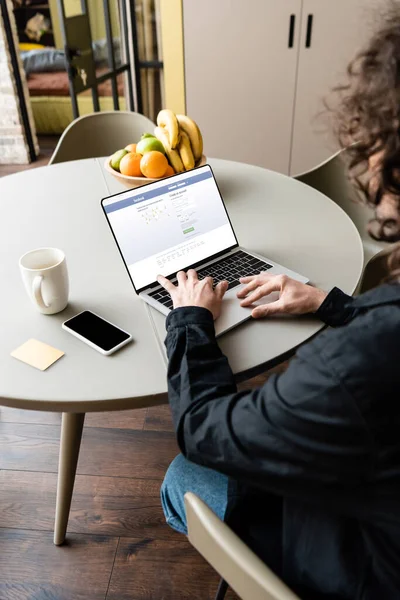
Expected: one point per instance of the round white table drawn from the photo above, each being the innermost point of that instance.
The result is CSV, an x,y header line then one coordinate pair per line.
x,y
60,206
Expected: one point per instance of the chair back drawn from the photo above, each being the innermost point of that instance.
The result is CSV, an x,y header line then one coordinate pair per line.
x,y
245,573
376,272
331,179
100,134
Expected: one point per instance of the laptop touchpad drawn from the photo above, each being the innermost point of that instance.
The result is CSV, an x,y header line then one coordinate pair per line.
x,y
232,313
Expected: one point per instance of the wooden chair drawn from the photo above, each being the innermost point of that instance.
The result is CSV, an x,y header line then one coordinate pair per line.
x,y
100,134
331,179
238,566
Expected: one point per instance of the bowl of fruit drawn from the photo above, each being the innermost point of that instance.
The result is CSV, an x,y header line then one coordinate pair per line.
x,y
175,146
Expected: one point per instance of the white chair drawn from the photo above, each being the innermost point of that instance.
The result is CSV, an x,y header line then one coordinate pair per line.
x,y
376,271
331,179
100,134
238,566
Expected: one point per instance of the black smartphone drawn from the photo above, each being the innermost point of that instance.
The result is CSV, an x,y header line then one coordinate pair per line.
x,y
98,333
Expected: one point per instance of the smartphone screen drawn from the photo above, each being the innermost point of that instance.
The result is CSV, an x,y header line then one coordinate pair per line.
x,y
96,330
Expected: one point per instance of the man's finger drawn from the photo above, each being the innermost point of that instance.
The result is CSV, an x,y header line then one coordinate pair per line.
x,y
250,278
267,310
166,283
181,277
192,274
260,292
208,281
221,289
252,285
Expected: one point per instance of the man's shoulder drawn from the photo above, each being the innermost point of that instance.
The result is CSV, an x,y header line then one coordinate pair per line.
x,y
375,331
368,342
364,355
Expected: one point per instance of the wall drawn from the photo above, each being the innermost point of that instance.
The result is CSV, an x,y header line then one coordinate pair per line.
x,y
13,146
172,51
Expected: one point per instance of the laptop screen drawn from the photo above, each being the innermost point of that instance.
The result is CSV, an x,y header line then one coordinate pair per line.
x,y
169,225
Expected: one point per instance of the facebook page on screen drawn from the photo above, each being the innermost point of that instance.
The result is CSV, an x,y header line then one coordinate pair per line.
x,y
169,225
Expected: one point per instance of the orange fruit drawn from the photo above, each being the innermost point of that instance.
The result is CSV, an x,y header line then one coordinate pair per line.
x,y
170,171
131,147
130,164
153,164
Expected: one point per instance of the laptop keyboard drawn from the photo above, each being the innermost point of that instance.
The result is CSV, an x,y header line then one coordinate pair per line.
x,y
232,268
229,269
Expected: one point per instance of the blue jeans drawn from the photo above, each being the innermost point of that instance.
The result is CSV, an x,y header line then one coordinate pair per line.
x,y
220,493
215,489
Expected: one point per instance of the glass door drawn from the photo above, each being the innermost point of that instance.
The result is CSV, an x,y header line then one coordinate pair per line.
x,y
98,55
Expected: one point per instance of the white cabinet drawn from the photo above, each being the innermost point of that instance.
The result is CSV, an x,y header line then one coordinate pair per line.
x,y
331,35
240,76
256,91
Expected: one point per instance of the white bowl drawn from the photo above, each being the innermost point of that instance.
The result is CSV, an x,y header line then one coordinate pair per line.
x,y
130,182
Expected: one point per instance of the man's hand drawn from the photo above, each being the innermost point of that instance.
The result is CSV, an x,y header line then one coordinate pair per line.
x,y
295,298
190,291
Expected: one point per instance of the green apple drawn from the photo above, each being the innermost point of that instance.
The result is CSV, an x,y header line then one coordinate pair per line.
x,y
116,158
147,135
149,144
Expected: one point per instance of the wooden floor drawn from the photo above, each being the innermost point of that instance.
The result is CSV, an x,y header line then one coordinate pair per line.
x,y
118,545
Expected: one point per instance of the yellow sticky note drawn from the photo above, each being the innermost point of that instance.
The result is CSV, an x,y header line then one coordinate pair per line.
x,y
37,354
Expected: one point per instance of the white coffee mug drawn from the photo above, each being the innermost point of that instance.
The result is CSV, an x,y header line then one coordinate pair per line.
x,y
45,276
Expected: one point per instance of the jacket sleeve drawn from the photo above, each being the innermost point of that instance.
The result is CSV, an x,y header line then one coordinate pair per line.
x,y
299,431
337,308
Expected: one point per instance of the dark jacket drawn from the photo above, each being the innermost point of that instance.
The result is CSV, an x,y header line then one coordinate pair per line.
x,y
325,436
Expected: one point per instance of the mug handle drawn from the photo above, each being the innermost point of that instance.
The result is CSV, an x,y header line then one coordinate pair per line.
x,y
37,292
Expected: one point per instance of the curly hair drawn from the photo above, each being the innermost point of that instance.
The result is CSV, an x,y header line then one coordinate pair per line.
x,y
367,124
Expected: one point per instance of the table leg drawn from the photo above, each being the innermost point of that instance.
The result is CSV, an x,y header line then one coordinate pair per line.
x,y
71,434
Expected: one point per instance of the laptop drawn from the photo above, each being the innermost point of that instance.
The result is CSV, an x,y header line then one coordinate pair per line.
x,y
179,223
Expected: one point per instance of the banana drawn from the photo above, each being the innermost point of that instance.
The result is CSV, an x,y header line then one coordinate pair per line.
x,y
185,151
173,155
166,118
191,128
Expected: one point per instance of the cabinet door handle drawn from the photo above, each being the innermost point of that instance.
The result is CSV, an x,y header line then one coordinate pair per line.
x,y
292,26
310,21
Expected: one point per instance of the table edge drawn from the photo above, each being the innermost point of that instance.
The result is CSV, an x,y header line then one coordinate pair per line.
x,y
85,406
